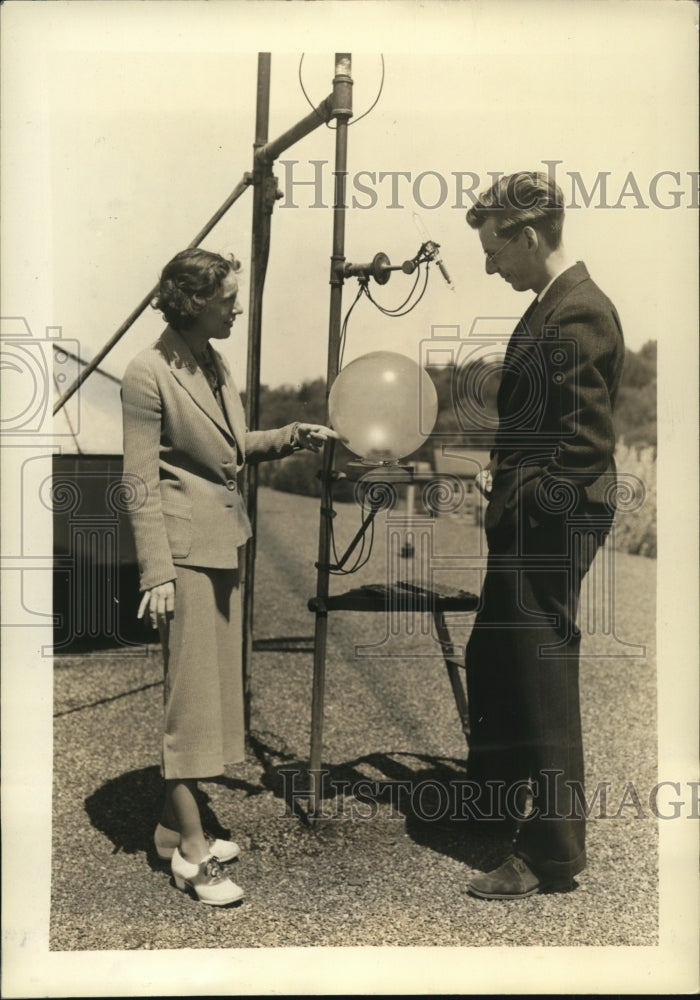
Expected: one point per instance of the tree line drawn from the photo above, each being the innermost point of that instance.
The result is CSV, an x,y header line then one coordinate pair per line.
x,y
466,414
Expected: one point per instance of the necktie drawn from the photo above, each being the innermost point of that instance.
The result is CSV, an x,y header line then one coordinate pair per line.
x,y
206,363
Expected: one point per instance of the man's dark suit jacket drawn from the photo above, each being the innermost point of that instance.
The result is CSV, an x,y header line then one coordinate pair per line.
x,y
555,441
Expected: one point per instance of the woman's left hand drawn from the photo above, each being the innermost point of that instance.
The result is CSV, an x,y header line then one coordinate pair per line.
x,y
312,437
159,602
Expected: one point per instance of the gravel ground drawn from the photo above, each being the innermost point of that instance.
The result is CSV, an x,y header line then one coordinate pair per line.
x,y
378,871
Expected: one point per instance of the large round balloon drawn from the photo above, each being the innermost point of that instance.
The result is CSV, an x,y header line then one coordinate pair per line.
x,y
384,404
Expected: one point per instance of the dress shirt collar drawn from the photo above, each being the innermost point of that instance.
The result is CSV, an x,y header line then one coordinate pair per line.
x,y
549,285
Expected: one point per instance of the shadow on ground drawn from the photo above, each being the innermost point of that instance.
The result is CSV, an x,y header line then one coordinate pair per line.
x,y
429,794
425,794
126,809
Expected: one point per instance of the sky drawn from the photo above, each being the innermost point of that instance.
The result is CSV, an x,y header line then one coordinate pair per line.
x,y
126,125
131,133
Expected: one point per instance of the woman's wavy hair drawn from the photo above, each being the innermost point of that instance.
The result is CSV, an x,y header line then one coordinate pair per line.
x,y
188,282
522,199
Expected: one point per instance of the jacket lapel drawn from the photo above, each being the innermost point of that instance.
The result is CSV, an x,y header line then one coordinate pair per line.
x,y
513,361
532,326
232,402
191,378
536,320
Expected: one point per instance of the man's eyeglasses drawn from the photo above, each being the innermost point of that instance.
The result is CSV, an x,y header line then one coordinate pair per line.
x,y
490,257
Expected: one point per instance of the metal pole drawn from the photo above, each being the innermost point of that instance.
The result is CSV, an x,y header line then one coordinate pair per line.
x,y
263,201
319,116
146,301
265,154
342,111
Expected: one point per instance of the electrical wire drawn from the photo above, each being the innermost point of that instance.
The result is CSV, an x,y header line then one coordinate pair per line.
x,y
344,327
361,558
376,100
401,310
397,311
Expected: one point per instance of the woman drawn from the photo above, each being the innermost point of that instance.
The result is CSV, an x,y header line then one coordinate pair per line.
x,y
185,442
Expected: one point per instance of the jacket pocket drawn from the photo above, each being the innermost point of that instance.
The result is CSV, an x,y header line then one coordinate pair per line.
x,y
178,527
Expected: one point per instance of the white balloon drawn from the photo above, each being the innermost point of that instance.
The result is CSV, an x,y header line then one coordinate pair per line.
x,y
384,404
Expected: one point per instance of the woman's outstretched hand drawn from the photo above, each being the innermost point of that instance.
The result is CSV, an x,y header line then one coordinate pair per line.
x,y
160,603
312,437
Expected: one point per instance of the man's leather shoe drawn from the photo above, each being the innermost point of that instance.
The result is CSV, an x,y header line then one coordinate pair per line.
x,y
514,880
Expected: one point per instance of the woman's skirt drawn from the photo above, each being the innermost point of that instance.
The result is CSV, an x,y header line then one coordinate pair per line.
x,y
203,690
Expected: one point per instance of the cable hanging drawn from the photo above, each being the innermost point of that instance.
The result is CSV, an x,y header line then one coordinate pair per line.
x,y
344,327
404,309
367,518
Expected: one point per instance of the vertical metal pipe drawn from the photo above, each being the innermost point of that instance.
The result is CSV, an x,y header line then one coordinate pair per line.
x,y
342,111
260,249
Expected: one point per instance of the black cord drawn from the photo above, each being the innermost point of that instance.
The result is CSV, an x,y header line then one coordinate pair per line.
x,y
344,327
401,310
376,100
354,121
361,559
397,309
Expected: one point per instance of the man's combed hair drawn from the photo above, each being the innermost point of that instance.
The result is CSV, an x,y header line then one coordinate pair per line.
x,y
523,199
188,282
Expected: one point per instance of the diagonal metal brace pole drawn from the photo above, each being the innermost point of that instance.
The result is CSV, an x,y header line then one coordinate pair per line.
x,y
146,301
268,153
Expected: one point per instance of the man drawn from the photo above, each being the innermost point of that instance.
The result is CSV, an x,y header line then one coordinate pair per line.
x,y
551,486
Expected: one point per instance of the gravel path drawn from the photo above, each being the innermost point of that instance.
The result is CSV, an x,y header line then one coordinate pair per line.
x,y
380,872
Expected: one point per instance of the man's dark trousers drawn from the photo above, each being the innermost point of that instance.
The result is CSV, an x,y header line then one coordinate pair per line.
x,y
523,684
